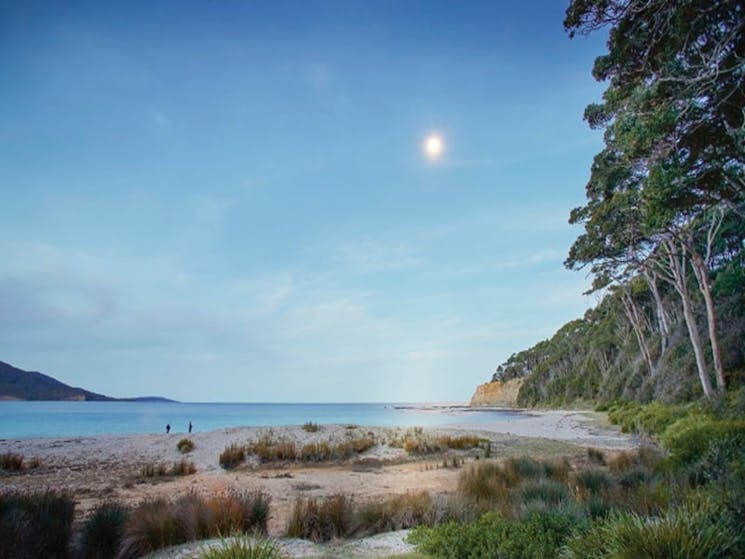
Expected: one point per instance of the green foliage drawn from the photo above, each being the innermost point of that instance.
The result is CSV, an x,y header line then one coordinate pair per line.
x,y
103,531
540,535
243,548
690,438
35,524
688,533
185,446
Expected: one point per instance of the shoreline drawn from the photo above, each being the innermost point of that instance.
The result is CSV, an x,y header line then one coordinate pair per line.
x,y
107,467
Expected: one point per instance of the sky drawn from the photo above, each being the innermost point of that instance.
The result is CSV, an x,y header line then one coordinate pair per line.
x,y
228,200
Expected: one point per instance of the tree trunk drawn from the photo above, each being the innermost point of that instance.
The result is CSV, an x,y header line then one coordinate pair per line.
x,y
633,313
677,276
702,276
663,321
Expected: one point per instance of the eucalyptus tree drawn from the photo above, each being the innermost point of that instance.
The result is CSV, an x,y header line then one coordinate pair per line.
x,y
674,120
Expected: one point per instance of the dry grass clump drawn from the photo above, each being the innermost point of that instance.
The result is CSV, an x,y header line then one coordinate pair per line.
x,y
11,461
232,456
159,523
418,443
311,427
268,449
185,446
183,467
321,520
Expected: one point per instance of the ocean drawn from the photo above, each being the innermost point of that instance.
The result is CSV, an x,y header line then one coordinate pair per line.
x,y
19,420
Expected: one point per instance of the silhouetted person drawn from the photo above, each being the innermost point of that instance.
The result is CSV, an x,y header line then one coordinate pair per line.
x,y
190,427
168,428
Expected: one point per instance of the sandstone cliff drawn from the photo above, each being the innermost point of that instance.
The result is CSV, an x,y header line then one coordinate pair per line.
x,y
497,393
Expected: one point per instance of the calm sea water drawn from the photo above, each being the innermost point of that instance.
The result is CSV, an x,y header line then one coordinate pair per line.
x,y
65,419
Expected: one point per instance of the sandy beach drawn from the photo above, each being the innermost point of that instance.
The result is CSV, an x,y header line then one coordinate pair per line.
x,y
98,468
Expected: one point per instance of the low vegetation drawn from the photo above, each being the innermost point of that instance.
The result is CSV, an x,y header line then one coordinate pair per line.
x,y
11,461
311,427
185,446
684,500
243,548
269,449
182,467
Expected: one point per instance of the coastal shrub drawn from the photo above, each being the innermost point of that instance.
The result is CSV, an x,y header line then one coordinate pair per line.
x,y
243,547
321,520
103,531
692,532
185,446
689,439
311,427
35,524
267,449
183,468
232,456
541,534
11,461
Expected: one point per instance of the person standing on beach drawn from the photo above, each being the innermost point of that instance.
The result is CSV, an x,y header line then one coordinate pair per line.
x,y
189,427
168,428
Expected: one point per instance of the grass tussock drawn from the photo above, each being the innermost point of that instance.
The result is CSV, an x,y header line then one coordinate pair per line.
x,y
321,520
232,457
183,467
159,523
185,446
243,548
37,524
311,427
103,531
267,449
11,461
418,443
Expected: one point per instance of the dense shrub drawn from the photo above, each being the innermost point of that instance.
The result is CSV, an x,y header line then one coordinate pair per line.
x,y
689,439
103,531
540,535
688,533
35,524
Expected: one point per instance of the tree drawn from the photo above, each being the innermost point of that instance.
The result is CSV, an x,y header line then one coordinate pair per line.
x,y
673,164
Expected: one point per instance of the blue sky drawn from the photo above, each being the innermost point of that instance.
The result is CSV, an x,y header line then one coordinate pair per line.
x,y
227,200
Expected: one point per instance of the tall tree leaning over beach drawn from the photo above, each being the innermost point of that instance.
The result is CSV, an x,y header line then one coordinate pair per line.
x,y
672,170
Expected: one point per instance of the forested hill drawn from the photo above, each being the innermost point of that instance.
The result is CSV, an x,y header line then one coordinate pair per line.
x,y
664,219
17,384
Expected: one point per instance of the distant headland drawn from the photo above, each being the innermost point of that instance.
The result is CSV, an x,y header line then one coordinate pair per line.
x,y
17,384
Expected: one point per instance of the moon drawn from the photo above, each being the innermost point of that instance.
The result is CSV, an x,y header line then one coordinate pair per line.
x,y
433,146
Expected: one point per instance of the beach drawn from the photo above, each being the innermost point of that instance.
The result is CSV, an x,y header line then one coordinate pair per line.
x,y
109,467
